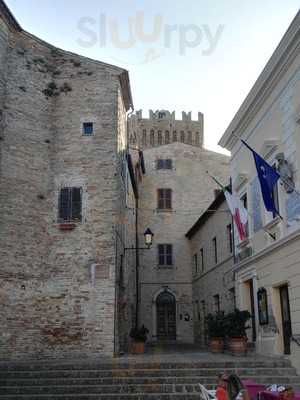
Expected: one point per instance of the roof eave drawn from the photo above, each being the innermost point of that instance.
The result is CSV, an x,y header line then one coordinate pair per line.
x,y
286,51
9,17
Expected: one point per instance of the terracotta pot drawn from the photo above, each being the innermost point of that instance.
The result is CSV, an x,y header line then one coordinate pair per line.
x,y
216,344
137,347
237,346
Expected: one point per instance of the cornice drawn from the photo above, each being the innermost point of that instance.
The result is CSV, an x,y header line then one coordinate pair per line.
x,y
283,56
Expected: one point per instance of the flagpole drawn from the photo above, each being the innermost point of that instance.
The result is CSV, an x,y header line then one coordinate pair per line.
x,y
250,214
281,178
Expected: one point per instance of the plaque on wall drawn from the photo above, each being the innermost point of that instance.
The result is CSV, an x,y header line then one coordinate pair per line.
x,y
262,300
256,204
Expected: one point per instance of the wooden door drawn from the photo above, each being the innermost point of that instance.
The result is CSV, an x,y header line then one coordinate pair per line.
x,y
166,316
286,318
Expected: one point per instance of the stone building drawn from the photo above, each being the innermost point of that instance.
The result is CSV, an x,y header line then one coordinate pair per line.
x,y
64,187
174,192
211,246
268,267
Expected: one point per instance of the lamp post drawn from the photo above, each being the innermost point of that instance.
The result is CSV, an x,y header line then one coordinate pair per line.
x,y
148,238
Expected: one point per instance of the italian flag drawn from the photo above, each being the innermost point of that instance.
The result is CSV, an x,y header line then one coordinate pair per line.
x,y
238,211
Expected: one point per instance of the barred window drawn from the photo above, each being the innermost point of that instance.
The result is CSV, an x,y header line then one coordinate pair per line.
x,y
174,136
182,136
152,138
144,140
70,204
164,199
190,140
167,137
159,138
165,254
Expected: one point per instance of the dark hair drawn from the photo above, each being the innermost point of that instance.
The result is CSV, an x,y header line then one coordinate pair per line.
x,y
235,385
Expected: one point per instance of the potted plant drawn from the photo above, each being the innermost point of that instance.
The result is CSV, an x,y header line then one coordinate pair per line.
x,y
215,328
139,337
236,325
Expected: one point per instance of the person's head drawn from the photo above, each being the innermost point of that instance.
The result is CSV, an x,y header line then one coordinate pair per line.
x,y
222,380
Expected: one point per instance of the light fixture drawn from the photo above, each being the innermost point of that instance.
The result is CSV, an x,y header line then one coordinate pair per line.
x,y
148,235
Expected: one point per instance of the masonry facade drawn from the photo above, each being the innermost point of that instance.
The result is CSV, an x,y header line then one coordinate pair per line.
x,y
212,263
268,267
63,189
174,192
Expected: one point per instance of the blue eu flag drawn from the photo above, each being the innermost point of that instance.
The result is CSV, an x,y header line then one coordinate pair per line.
x,y
267,177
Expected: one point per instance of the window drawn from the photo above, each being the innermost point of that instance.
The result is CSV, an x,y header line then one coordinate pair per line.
x,y
174,136
195,261
216,303
198,310
164,199
159,138
215,250
165,254
152,138
167,137
202,259
229,238
144,140
70,204
197,138
232,298
190,140
182,137
161,115
164,163
244,200
88,128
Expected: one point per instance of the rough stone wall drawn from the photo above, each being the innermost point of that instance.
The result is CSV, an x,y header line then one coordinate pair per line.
x,y
193,191
58,287
162,127
214,278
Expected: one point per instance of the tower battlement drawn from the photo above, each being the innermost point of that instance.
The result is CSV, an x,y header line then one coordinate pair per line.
x,y
161,128
167,115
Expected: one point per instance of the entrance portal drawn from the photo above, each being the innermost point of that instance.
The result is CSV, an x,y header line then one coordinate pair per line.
x,y
166,316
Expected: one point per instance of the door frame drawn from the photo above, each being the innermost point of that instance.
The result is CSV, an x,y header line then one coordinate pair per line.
x,y
154,311
286,340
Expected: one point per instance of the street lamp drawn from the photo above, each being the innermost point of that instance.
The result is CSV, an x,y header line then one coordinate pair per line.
x,y
148,237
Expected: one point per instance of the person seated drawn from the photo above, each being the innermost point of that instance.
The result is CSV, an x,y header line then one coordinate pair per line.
x,y
221,391
236,389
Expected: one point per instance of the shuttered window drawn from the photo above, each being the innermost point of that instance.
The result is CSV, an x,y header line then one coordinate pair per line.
x,y
165,254
164,199
70,204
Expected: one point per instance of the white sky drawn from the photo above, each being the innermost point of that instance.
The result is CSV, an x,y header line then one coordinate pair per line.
x,y
204,55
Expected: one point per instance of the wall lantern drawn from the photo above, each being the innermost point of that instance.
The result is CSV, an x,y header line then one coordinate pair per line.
x,y
148,236
262,300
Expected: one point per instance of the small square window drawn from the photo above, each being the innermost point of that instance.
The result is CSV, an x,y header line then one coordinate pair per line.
x,y
88,128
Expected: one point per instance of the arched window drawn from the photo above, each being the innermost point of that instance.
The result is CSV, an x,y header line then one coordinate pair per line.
x,y
152,138
144,139
167,137
197,139
182,137
159,138
174,136
190,140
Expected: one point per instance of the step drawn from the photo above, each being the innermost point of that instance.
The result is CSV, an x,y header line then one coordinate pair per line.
x,y
35,374
139,380
275,363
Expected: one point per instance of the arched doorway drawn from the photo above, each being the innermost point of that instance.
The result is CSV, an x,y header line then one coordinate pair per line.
x,y
166,316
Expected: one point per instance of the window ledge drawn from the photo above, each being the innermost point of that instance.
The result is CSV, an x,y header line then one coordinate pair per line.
x,y
66,226
275,221
165,266
164,210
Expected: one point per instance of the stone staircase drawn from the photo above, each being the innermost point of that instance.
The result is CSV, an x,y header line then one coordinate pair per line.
x,y
128,380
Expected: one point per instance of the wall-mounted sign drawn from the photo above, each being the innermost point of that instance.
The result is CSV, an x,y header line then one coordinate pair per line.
x,y
262,300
